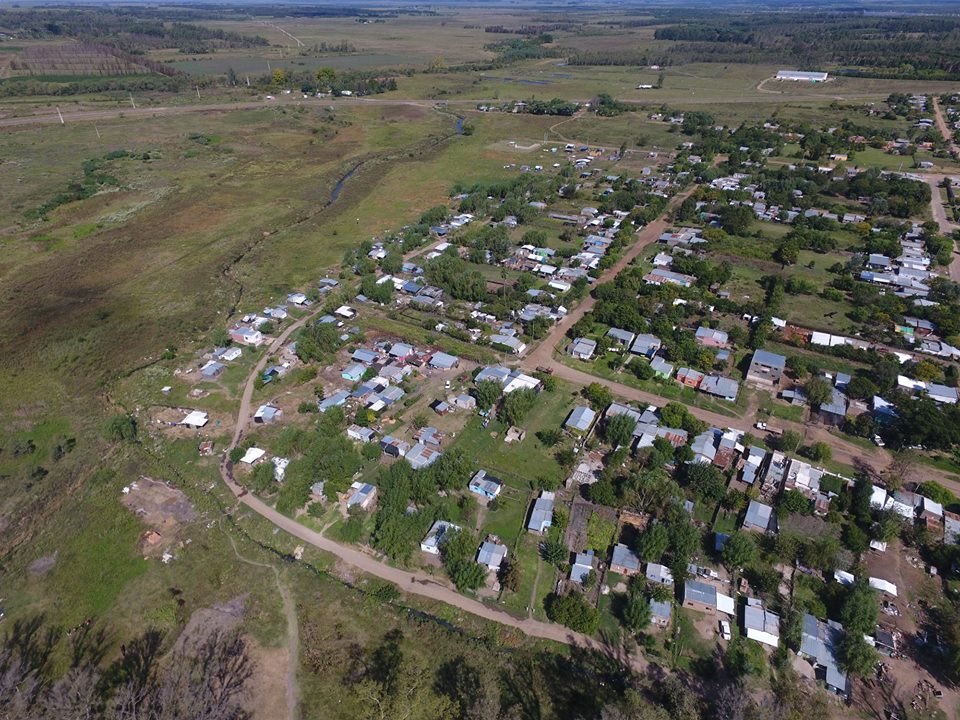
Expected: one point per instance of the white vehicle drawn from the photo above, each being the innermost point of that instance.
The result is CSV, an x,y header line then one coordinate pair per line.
x,y
725,632
270,97
569,148
878,441
447,385
761,426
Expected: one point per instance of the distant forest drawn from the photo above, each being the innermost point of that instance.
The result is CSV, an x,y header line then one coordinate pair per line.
x,y
128,30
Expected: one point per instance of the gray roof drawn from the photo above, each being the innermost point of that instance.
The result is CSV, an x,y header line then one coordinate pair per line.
x,y
624,336
660,609
764,357
542,514
819,640
335,400
625,557
443,360
756,618
659,573
486,483
837,404
421,456
700,592
581,418
758,515
644,344
365,356
491,554
720,386
582,565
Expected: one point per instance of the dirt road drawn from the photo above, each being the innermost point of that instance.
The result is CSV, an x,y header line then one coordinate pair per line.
x,y
947,228
942,125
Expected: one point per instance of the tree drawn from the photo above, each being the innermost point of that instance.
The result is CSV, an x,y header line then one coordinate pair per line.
x,y
856,656
653,542
487,392
705,480
598,395
516,405
859,610
457,552
121,428
736,219
618,430
818,391
326,77
820,452
510,575
789,441
550,437
573,611
554,552
636,612
739,551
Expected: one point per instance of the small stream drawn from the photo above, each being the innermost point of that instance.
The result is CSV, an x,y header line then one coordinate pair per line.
x,y
459,127
338,188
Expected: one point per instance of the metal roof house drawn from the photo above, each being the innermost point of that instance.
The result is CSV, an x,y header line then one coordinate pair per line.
x,y
623,337
443,361
335,400
761,625
818,643
580,419
541,517
624,560
485,485
362,494
582,348
362,355
660,612
492,555
661,368
645,344
759,517
436,536
659,574
212,369
766,368
267,414
582,565
705,598
720,386
420,456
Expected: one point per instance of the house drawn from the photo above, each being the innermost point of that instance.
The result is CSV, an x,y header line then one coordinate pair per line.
x,y
580,420
621,337
360,434
661,276
436,536
429,436
705,598
541,517
440,407
362,355
657,573
720,386
624,561
401,351
582,348
335,400
711,337
582,565
267,414
485,485
819,643
195,419
394,447
363,495
801,76
766,369
507,343
942,394
211,369
759,517
492,555
420,456
761,625
345,311
646,345
227,354
660,612
246,336
252,455
834,412
298,298
661,368
443,361
465,402
353,373
689,377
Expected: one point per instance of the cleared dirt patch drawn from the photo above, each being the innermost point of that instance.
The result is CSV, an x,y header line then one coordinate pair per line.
x,y
164,509
41,566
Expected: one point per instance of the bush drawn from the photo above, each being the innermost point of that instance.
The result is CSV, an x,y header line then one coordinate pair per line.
x,y
121,428
574,612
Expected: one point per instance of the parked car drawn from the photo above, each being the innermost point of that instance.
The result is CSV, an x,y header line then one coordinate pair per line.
x,y
725,632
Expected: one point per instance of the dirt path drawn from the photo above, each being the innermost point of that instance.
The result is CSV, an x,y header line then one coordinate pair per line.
x,y
942,124
533,590
297,40
293,631
947,228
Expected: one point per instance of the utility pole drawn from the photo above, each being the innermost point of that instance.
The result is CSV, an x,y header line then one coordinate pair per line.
x,y
61,115
97,129
198,92
132,102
